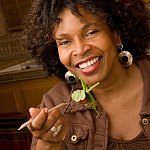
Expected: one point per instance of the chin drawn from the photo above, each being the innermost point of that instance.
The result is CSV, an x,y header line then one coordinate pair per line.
x,y
90,81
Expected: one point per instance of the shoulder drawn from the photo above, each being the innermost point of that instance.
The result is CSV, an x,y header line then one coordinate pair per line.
x,y
144,63
60,89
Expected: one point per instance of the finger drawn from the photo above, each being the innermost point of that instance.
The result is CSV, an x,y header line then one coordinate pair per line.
x,y
43,133
51,119
53,116
34,111
39,119
59,125
54,120
56,132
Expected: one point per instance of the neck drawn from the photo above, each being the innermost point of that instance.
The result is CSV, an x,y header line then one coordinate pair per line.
x,y
119,85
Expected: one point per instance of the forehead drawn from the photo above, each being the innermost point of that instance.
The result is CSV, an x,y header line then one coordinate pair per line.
x,y
67,19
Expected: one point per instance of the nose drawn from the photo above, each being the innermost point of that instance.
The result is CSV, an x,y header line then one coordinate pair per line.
x,y
80,47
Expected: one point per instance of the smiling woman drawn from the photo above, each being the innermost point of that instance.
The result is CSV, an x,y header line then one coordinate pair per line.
x,y
104,44
86,45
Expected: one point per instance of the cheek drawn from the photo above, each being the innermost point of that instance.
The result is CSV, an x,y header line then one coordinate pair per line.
x,y
64,57
108,47
103,41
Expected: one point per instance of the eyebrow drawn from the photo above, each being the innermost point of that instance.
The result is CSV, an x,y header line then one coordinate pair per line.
x,y
62,35
89,25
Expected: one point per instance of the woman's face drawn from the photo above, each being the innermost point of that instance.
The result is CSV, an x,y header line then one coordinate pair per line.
x,y
86,46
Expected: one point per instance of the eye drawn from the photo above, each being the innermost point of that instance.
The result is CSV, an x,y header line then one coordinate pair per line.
x,y
91,32
63,42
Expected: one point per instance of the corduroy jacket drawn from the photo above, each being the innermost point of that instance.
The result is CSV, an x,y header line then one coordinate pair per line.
x,y
86,130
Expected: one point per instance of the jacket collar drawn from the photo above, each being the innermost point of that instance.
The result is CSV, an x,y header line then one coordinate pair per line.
x,y
144,65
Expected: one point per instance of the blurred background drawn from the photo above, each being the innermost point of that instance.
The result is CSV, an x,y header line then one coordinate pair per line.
x,y
11,19
22,81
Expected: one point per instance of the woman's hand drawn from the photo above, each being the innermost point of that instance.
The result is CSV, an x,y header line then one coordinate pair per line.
x,y
49,127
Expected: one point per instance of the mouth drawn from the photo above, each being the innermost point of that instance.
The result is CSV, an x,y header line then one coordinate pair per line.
x,y
88,63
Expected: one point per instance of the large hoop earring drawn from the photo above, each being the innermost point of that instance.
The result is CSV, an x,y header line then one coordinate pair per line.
x,y
71,78
125,57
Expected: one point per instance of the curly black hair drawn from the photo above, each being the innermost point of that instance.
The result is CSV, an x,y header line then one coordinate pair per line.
x,y
129,18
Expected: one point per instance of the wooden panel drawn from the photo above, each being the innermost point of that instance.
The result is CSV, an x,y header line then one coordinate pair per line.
x,y
33,90
11,12
19,96
14,10
10,137
147,1
8,102
33,96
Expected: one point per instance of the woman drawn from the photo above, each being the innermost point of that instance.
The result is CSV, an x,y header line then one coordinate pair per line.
x,y
103,43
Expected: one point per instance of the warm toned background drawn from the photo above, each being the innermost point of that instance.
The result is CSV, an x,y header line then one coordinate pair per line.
x,y
20,88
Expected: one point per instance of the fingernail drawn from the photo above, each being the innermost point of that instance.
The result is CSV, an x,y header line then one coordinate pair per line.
x,y
46,110
30,109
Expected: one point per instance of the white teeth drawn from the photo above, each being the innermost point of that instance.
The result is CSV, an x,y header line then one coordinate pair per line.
x,y
89,63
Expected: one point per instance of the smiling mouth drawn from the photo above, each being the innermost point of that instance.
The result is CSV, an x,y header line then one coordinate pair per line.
x,y
89,63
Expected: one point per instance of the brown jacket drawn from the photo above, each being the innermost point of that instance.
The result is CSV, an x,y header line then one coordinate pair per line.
x,y
88,132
